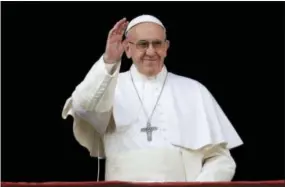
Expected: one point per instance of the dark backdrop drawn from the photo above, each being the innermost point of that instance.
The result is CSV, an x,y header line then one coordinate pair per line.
x,y
234,48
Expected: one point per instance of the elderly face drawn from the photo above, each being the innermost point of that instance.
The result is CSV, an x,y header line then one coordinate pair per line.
x,y
147,46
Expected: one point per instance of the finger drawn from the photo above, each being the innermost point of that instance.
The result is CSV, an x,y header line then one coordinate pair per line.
x,y
119,23
123,25
119,31
115,38
122,28
125,42
123,45
118,27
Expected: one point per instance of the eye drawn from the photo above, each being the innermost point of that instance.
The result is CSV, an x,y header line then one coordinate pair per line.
x,y
143,44
157,43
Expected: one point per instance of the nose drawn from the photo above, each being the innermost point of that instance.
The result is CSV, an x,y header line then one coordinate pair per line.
x,y
150,50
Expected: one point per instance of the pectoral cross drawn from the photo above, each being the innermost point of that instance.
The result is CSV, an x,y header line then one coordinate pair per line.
x,y
148,129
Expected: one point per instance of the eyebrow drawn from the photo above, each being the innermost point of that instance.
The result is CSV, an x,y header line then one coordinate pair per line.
x,y
155,40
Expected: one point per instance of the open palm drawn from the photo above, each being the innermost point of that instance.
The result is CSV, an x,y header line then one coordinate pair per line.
x,y
115,45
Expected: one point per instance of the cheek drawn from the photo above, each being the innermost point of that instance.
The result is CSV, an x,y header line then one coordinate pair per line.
x,y
162,54
139,56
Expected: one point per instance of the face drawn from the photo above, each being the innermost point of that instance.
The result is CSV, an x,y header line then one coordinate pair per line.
x,y
147,47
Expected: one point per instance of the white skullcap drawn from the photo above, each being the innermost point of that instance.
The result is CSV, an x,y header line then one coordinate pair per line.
x,y
143,19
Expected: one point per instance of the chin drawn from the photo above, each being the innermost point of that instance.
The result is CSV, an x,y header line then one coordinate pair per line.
x,y
153,65
151,62
151,70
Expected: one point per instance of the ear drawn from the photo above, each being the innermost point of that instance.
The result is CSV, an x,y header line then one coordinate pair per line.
x,y
167,44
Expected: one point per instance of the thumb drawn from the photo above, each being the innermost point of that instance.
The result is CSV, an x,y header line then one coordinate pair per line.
x,y
123,45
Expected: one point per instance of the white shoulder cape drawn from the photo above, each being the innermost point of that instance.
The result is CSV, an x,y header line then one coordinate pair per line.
x,y
200,119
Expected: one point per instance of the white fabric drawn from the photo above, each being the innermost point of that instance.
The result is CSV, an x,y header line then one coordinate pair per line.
x,y
171,165
146,165
143,19
128,136
108,118
193,118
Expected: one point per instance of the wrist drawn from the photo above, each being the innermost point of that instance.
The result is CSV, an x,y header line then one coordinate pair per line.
x,y
107,60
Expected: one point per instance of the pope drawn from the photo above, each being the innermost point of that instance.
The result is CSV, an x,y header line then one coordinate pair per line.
x,y
150,124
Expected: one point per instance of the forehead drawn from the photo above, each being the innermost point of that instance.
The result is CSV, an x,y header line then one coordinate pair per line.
x,y
147,31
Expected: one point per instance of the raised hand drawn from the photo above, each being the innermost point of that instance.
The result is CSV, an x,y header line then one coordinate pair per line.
x,y
115,46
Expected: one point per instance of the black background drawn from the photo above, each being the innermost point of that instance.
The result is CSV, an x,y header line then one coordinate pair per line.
x,y
236,49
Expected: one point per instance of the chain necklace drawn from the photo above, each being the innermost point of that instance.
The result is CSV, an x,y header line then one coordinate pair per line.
x,y
148,128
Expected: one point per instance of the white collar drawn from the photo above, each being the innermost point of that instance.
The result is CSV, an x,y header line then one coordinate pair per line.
x,y
137,76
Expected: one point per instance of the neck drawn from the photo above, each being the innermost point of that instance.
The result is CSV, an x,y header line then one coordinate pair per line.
x,y
158,76
149,74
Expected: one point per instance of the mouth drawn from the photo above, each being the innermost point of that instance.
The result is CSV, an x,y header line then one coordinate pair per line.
x,y
150,59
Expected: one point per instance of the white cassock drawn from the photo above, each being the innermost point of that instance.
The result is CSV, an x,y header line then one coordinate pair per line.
x,y
193,135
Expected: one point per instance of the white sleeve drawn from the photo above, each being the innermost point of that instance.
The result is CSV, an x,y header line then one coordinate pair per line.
x,y
91,106
92,99
218,165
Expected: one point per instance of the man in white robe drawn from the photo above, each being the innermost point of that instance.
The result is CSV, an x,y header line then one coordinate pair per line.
x,y
150,124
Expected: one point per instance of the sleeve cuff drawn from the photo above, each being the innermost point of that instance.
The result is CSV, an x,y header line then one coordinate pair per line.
x,y
110,69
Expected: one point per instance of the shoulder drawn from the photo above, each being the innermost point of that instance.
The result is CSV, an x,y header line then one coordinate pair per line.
x,y
186,81
191,87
